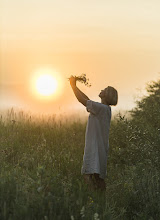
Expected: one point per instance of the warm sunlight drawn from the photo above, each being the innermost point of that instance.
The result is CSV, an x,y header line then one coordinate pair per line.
x,y
46,85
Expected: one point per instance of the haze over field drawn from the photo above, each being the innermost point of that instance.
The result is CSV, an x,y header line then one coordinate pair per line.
x,y
114,42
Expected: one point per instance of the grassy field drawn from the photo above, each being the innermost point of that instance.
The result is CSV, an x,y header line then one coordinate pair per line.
x,y
40,164
40,172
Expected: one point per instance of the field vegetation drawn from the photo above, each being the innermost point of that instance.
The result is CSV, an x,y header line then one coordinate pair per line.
x,y
41,158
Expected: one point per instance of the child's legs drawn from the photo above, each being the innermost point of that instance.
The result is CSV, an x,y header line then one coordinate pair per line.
x,y
94,181
99,182
88,179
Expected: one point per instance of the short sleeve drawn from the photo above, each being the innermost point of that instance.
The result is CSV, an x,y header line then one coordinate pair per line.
x,y
94,107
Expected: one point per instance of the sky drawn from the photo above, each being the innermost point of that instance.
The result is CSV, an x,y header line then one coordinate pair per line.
x,y
114,43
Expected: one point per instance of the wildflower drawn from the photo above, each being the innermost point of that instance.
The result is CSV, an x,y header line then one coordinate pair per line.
x,y
39,189
13,122
96,216
40,170
72,218
82,212
82,78
90,200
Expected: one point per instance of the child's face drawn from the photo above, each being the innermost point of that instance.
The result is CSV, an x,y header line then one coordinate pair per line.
x,y
102,95
103,92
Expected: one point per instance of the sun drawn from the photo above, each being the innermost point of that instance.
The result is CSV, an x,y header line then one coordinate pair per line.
x,y
46,85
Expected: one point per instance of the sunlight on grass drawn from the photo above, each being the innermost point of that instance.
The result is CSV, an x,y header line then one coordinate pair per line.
x,y
41,159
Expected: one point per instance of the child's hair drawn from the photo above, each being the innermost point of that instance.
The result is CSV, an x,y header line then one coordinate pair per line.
x,y
111,95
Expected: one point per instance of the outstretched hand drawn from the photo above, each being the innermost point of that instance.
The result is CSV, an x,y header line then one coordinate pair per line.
x,y
72,80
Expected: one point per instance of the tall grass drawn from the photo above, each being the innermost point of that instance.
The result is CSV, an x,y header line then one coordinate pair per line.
x,y
40,164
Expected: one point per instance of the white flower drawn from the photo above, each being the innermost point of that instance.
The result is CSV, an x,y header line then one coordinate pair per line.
x,y
82,212
96,216
72,218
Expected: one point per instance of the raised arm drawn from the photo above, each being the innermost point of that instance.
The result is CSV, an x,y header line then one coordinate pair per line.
x,y
78,93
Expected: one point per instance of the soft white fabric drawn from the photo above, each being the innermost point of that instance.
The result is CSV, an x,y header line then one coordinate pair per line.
x,y
97,139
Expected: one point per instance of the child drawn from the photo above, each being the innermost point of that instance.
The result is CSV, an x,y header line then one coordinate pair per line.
x,y
97,134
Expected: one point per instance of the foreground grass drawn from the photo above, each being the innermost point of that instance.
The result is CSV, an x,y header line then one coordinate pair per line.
x,y
40,172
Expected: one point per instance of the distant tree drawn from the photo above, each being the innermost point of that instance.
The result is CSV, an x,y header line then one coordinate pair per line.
x,y
147,111
146,117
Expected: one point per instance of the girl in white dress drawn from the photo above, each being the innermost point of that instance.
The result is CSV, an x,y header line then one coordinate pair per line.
x,y
97,134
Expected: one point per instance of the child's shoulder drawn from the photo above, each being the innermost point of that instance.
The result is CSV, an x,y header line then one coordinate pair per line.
x,y
98,105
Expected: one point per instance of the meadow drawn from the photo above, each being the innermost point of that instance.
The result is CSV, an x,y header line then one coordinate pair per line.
x,y
41,158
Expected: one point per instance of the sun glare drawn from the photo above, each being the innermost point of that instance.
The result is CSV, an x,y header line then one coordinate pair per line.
x,y
46,85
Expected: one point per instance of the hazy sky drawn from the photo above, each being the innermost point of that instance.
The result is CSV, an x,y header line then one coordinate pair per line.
x,y
114,42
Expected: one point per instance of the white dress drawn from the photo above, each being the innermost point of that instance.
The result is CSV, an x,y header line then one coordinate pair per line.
x,y
97,139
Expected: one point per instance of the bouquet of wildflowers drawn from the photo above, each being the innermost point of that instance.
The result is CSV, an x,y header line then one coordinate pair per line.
x,y
83,79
